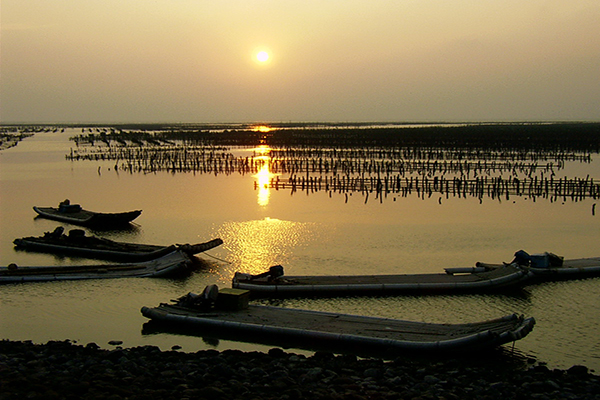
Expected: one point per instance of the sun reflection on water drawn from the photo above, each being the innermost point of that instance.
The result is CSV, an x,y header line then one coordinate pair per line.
x,y
262,128
264,175
257,245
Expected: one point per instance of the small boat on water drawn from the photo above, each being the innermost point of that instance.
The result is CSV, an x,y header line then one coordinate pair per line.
x,y
171,264
74,214
227,312
78,244
549,267
481,279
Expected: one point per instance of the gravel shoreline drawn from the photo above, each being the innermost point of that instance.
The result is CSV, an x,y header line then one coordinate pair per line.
x,y
63,370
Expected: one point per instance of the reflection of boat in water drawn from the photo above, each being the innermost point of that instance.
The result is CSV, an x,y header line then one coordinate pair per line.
x,y
231,314
76,243
275,283
171,264
74,214
549,266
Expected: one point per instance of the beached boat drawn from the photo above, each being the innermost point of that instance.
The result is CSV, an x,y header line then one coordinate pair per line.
x,y
78,244
74,214
173,263
310,329
549,267
275,283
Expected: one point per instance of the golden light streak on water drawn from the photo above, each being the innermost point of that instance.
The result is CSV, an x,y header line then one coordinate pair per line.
x,y
262,128
257,245
264,175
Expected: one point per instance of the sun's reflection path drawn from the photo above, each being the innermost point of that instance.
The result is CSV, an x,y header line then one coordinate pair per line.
x,y
264,175
257,245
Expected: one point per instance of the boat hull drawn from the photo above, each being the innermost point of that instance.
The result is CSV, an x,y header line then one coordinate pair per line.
x,y
104,249
310,329
88,218
495,279
579,268
171,264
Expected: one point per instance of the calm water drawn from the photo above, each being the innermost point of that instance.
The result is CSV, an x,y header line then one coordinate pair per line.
x,y
316,233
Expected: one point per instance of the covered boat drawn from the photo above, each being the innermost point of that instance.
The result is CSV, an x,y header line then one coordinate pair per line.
x,y
74,214
548,266
231,315
168,265
78,244
479,279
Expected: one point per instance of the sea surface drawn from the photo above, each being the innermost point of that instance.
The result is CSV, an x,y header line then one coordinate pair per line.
x,y
308,232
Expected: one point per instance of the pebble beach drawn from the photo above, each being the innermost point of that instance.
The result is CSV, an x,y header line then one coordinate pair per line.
x,y
64,370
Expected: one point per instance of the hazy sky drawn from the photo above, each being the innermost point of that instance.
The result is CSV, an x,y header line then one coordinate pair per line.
x,y
329,60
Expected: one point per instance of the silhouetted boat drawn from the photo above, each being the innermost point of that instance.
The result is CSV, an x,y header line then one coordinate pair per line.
x,y
74,214
549,266
171,264
76,243
255,323
275,283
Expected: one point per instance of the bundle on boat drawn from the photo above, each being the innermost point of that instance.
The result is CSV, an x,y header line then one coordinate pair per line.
x,y
549,266
171,264
477,279
228,314
76,215
77,243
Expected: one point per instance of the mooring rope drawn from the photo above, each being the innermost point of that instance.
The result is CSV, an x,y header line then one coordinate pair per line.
x,y
217,258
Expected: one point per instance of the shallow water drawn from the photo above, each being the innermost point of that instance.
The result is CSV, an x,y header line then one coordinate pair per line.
x,y
307,233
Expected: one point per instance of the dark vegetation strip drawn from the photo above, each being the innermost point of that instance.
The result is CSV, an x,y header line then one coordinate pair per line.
x,y
551,136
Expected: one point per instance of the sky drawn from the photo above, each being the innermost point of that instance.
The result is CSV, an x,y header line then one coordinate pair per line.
x,y
195,61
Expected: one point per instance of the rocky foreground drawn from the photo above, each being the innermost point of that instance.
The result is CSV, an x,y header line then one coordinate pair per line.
x,y
62,370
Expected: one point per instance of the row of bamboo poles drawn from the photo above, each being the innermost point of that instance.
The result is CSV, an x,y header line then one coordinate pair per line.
x,y
493,187
207,160
423,177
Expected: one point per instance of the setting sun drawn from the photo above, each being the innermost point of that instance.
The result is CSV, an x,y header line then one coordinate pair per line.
x,y
262,56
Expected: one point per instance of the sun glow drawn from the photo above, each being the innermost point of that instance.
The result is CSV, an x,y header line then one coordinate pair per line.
x,y
262,128
262,56
264,175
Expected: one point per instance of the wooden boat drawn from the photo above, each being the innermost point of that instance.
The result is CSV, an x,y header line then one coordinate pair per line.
x,y
303,328
170,264
549,267
76,243
74,214
274,282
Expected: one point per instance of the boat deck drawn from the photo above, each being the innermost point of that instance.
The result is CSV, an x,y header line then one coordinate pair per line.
x,y
352,328
165,265
388,279
496,278
81,215
573,268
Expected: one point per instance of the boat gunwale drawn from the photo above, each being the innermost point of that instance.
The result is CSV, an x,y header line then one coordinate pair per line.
x,y
28,244
263,286
158,267
93,218
484,338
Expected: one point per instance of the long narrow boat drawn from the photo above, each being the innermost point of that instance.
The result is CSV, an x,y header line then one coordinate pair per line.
x,y
76,243
576,268
74,214
274,283
168,265
310,329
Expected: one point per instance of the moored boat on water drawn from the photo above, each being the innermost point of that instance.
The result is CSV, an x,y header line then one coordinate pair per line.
x,y
549,267
78,244
74,214
227,313
455,280
171,264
